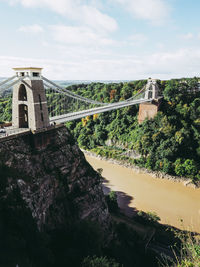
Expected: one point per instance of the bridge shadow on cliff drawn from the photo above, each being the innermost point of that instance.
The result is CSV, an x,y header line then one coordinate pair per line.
x,y
123,200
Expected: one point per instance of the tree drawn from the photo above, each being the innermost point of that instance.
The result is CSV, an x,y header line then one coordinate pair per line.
x,y
190,167
179,167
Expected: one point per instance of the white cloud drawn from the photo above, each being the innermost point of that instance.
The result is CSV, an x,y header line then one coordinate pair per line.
x,y
160,45
59,6
35,28
50,66
163,65
155,11
76,10
182,62
97,20
81,36
138,38
187,36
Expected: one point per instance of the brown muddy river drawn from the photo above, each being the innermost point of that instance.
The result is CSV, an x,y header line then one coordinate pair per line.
x,y
174,203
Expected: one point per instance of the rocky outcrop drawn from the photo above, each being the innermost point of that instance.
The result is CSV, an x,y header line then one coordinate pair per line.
x,y
129,153
55,182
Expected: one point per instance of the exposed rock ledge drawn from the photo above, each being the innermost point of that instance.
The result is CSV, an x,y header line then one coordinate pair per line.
x,y
186,181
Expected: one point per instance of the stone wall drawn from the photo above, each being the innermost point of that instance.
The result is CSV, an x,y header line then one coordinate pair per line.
x,y
147,110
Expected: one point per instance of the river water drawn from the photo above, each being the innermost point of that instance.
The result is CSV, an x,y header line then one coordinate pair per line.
x,y
173,202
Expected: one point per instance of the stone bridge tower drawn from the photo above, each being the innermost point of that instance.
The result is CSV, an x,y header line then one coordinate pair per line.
x,y
152,89
150,109
29,107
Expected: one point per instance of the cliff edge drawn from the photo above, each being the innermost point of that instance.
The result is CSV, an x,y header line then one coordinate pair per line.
x,y
46,177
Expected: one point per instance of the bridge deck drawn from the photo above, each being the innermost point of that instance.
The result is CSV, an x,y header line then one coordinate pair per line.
x,y
13,132
84,113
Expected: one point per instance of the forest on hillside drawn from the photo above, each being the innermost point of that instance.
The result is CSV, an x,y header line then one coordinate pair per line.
x,y
169,143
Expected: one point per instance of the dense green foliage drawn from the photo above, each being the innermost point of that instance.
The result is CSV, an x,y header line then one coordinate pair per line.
x,y
189,253
169,143
5,109
116,125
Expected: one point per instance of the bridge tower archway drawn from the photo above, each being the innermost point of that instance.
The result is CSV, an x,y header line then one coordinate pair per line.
x,y
23,116
150,94
22,94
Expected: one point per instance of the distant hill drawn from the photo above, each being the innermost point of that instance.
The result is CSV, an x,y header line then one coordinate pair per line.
x,y
71,82
65,83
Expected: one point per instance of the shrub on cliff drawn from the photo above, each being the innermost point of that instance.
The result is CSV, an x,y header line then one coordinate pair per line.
x,y
111,200
189,253
99,262
147,217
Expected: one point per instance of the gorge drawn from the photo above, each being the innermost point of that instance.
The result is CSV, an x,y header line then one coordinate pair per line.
x,y
47,185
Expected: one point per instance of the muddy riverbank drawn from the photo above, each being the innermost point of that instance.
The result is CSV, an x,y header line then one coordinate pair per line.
x,y
155,174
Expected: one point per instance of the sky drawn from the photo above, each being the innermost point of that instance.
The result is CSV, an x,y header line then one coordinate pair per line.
x,y
101,39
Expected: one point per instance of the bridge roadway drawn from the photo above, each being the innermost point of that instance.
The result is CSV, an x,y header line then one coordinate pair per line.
x,y
81,114
6,132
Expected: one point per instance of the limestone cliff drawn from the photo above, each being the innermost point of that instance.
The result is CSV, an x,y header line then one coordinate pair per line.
x,y
54,180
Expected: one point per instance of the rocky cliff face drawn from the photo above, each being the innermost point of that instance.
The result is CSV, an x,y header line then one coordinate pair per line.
x,y
54,181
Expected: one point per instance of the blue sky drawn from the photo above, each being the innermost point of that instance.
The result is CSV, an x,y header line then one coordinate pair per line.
x,y
101,39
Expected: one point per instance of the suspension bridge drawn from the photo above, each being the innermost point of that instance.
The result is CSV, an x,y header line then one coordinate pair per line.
x,y
38,102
